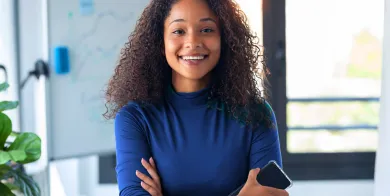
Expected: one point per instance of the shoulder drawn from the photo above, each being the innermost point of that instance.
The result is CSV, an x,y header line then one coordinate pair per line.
x,y
266,112
130,109
138,112
130,115
267,130
136,109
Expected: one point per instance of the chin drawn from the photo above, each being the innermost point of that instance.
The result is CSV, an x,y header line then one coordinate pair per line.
x,y
194,76
192,72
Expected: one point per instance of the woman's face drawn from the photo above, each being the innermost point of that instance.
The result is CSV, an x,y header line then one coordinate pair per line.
x,y
192,39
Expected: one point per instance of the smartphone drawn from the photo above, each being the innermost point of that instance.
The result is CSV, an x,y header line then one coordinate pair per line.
x,y
270,175
273,176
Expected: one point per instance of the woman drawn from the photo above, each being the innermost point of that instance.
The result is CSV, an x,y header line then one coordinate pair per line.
x,y
189,117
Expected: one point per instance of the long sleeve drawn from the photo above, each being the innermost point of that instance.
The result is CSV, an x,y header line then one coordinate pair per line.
x,y
131,146
265,144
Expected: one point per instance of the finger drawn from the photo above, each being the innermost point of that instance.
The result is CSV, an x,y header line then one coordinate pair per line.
x,y
253,175
152,163
280,193
149,189
151,160
146,179
151,170
275,191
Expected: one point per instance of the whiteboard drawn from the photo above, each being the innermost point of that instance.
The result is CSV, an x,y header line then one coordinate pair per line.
x,y
94,31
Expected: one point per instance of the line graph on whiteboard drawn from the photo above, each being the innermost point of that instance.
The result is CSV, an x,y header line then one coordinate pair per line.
x,y
94,32
95,42
93,45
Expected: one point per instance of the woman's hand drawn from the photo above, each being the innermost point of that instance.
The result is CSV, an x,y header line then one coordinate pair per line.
x,y
253,188
151,185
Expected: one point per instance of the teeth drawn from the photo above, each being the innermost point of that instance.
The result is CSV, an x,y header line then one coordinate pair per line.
x,y
193,57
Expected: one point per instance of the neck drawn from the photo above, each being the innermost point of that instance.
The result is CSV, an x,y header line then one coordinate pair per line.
x,y
185,85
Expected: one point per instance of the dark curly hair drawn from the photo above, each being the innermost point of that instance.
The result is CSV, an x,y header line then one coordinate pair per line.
x,y
143,72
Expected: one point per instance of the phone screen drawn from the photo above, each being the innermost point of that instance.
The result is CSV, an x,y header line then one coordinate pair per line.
x,y
273,176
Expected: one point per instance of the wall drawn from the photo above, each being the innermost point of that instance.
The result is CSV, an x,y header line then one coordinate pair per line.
x,y
33,46
382,171
333,188
8,58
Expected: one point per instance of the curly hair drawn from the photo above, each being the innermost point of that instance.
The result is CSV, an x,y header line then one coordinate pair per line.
x,y
143,72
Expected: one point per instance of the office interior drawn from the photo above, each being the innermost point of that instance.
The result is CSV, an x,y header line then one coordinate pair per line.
x,y
330,66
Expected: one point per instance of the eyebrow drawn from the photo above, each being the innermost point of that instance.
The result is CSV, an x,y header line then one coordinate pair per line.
x,y
207,19
201,20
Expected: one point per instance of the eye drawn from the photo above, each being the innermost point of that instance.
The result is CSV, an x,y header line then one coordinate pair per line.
x,y
178,32
207,30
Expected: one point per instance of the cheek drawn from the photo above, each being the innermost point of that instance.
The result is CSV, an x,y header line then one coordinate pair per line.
x,y
214,45
171,47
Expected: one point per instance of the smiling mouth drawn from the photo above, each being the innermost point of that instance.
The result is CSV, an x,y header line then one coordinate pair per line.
x,y
193,58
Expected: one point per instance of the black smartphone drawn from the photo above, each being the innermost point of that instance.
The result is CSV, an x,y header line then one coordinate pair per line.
x,y
270,175
273,176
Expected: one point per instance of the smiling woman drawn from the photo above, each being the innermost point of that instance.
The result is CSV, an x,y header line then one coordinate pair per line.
x,y
189,116
192,45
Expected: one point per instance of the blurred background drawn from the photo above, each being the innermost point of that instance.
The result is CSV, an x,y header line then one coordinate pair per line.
x,y
327,60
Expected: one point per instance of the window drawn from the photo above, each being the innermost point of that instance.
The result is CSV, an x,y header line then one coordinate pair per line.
x,y
326,85
333,75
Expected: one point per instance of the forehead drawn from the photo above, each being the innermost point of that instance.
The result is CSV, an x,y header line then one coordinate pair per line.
x,y
191,10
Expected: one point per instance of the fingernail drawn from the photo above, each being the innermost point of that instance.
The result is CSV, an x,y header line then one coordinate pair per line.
x,y
151,159
136,172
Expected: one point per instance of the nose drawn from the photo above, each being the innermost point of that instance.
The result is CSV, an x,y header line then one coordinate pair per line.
x,y
193,41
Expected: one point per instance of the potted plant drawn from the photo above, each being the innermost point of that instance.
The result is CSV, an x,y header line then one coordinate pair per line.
x,y
16,150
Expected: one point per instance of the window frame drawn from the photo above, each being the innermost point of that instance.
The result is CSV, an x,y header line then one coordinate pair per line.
x,y
302,166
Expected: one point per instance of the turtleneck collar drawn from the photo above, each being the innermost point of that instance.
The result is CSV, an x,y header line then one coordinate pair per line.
x,y
188,100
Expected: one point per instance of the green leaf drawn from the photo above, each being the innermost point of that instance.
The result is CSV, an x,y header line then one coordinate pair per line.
x,y
14,134
4,86
12,186
5,191
14,155
8,105
5,128
4,169
30,143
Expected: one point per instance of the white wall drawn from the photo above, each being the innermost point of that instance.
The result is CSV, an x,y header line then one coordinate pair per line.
x,y
8,58
382,170
33,46
333,188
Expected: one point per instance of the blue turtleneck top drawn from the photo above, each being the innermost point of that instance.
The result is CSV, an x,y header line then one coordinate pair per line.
x,y
198,150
